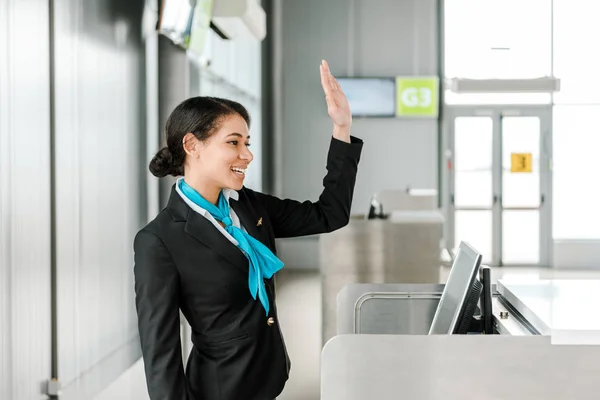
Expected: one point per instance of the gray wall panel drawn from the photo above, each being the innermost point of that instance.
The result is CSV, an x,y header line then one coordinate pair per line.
x,y
100,200
382,38
25,255
364,38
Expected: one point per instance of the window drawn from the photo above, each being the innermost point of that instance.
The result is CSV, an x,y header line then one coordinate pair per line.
x,y
576,60
498,38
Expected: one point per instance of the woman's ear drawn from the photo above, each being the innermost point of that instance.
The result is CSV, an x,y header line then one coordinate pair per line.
x,y
190,145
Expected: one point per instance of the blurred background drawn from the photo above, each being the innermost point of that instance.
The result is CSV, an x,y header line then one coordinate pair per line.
x,y
478,122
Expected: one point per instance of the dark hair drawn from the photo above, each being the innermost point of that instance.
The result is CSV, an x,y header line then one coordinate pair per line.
x,y
200,116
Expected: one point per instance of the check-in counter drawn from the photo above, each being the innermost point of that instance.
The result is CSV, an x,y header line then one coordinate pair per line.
x,y
545,344
405,247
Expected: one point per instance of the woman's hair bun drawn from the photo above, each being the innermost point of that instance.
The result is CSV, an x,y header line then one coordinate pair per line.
x,y
162,163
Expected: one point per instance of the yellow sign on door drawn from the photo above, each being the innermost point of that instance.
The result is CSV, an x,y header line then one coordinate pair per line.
x,y
521,162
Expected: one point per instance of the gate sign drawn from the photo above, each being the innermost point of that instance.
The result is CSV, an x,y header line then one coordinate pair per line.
x,y
417,97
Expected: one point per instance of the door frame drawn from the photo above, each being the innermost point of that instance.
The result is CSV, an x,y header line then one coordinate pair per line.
x,y
497,112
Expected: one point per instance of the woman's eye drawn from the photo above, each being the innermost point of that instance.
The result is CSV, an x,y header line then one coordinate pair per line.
x,y
236,142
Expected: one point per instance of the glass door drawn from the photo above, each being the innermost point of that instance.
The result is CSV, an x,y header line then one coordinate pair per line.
x,y
498,168
472,196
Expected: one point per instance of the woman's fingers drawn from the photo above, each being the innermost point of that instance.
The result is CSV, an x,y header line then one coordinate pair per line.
x,y
326,83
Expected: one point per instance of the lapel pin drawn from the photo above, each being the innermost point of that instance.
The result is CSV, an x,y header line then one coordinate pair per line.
x,y
259,223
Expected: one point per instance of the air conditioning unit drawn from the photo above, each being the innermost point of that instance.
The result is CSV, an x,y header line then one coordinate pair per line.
x,y
238,18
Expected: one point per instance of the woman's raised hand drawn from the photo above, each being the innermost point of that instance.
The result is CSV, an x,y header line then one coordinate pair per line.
x,y
337,103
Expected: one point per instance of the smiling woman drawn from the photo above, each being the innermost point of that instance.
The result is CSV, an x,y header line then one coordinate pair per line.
x,y
211,252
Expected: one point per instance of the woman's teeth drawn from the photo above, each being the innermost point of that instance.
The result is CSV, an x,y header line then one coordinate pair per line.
x,y
239,171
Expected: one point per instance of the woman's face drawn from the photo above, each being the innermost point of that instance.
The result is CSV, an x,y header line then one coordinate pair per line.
x,y
224,157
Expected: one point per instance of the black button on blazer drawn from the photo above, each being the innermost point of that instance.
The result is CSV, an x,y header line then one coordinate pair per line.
x,y
182,262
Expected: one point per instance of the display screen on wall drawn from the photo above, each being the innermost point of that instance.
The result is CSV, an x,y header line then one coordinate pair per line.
x,y
370,97
175,21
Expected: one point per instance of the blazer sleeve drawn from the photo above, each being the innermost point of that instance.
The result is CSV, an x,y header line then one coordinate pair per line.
x,y
291,218
157,292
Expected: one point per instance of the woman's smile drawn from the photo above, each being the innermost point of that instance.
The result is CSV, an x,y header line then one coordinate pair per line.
x,y
240,173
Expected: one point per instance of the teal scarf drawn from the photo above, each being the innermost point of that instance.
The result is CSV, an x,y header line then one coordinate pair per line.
x,y
262,262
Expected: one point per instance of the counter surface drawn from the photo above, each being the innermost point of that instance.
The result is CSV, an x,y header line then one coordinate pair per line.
x,y
566,310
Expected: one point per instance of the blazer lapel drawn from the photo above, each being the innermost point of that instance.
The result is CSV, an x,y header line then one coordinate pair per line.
x,y
204,231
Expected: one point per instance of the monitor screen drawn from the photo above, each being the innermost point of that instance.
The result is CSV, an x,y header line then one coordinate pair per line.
x,y
370,97
458,292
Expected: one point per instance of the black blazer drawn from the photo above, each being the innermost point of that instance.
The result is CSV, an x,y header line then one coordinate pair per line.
x,y
183,262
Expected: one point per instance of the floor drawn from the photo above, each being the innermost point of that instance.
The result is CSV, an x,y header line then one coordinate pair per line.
x,y
299,304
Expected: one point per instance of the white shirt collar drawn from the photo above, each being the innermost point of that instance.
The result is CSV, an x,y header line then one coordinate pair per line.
x,y
231,194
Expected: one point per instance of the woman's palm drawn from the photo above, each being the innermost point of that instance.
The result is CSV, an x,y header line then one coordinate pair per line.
x,y
337,103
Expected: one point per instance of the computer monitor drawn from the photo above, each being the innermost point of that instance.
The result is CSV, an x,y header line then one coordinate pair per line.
x,y
461,294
